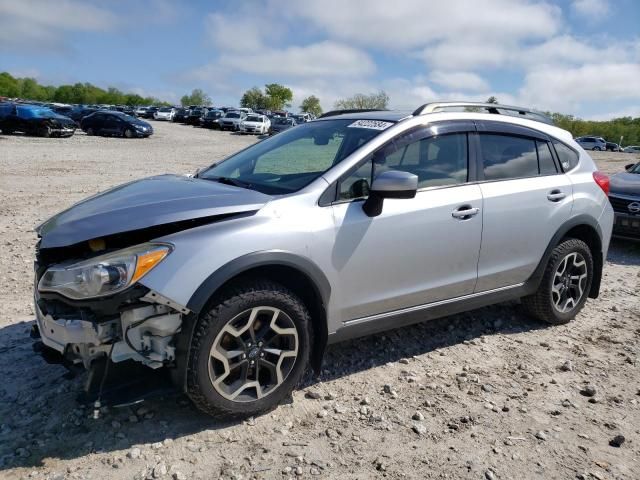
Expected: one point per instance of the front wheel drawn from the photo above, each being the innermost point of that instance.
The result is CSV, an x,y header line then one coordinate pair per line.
x,y
597,149
249,350
128,133
565,284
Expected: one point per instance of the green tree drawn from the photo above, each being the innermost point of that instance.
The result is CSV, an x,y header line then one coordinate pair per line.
x,y
278,96
197,97
9,86
492,99
311,105
254,99
32,90
379,100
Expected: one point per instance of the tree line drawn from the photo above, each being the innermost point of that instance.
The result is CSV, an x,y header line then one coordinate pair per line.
x,y
78,93
275,96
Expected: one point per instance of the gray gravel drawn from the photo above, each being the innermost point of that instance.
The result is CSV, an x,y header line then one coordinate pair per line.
x,y
486,394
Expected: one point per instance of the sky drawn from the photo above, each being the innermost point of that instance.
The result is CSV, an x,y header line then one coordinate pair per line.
x,y
579,57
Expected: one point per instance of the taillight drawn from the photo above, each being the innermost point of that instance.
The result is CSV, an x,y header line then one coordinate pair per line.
x,y
602,180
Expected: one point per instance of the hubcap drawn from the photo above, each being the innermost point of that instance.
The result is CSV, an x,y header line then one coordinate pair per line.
x,y
253,354
569,282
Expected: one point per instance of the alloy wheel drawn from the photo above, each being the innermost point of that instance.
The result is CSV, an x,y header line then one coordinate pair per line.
x,y
569,282
253,354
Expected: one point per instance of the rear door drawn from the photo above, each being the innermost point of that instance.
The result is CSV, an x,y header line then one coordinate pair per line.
x,y
526,200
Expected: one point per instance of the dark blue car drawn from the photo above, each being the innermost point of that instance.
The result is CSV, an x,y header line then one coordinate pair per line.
x,y
34,120
115,124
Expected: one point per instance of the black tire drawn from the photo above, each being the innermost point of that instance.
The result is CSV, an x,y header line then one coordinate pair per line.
x,y
90,131
128,133
597,149
228,305
541,305
45,131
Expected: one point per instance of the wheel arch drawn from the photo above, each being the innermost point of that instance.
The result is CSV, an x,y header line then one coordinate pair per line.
x,y
581,227
297,273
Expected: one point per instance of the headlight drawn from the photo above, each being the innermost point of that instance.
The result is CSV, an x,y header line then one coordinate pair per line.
x,y
104,275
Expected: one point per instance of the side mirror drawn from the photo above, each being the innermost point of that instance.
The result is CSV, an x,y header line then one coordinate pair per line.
x,y
389,184
630,166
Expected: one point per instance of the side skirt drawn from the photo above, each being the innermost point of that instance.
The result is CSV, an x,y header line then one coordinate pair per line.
x,y
360,327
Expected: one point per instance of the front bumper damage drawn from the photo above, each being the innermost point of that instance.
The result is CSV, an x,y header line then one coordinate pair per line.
x,y
122,349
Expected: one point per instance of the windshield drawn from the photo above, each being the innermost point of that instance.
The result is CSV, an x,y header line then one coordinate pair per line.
x,y
165,109
232,115
253,118
635,169
292,159
283,121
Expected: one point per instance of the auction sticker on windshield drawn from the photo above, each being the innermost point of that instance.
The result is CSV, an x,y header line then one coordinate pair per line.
x,y
371,124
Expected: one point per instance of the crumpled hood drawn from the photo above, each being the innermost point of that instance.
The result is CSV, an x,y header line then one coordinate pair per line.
x,y
146,203
625,183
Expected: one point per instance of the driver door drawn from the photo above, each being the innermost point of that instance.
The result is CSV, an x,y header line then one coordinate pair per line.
x,y
417,251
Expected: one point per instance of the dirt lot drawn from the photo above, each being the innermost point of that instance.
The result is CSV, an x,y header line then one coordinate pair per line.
x,y
488,394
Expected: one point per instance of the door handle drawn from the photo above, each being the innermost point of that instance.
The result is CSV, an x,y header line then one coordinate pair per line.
x,y
464,212
556,195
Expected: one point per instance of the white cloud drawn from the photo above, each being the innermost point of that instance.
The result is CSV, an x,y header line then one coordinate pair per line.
x,y
326,59
242,33
566,89
41,24
591,9
414,23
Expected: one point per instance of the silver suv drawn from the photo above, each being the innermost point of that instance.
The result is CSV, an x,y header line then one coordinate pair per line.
x,y
592,143
234,280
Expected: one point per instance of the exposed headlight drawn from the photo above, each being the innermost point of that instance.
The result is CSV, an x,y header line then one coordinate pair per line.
x,y
140,127
104,275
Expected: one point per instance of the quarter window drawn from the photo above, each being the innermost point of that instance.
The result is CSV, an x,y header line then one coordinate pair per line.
x,y
506,157
568,157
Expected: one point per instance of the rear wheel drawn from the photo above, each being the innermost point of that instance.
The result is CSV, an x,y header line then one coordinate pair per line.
x,y
249,350
565,284
90,131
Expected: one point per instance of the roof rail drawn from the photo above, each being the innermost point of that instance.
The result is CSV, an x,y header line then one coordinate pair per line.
x,y
333,113
494,108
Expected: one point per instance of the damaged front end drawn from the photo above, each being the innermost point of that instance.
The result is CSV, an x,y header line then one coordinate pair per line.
x,y
93,315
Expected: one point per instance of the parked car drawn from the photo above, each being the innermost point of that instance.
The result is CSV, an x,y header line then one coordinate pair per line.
x,y
631,149
79,112
234,280
165,113
592,143
232,119
625,200
141,111
181,115
280,124
115,124
149,112
258,124
125,109
613,147
211,119
34,120
195,114
302,118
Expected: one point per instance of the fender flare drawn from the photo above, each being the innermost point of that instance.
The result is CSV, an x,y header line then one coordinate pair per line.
x,y
534,280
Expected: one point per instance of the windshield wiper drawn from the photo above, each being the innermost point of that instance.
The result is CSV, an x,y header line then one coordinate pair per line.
x,y
230,181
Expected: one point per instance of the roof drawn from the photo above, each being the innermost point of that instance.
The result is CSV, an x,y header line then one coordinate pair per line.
x,y
389,115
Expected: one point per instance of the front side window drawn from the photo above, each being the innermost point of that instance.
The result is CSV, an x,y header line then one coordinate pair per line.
x,y
507,157
294,158
436,161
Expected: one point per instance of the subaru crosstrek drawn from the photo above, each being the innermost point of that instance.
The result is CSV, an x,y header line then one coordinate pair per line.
x,y
234,280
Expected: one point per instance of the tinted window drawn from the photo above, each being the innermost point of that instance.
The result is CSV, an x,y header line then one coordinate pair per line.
x,y
545,159
507,157
567,156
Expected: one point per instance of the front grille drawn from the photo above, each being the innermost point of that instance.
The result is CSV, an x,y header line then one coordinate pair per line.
x,y
622,204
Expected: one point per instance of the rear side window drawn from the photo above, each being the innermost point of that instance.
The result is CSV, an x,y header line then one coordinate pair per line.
x,y
505,157
567,156
545,159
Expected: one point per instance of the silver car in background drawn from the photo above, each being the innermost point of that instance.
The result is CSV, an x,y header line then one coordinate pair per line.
x,y
234,280
592,143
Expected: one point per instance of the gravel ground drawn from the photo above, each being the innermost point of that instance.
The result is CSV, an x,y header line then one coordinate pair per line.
x,y
489,394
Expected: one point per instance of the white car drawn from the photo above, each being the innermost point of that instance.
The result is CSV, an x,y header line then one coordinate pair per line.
x,y
165,113
140,111
255,124
232,120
